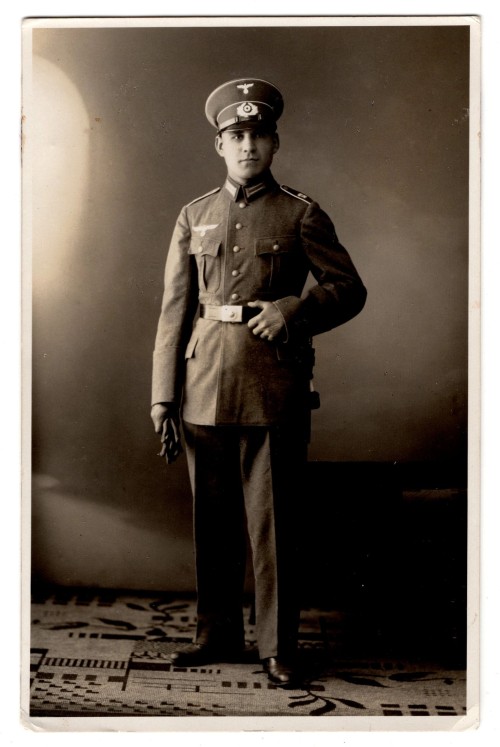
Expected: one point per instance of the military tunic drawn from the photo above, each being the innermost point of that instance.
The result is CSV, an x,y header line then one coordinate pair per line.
x,y
231,246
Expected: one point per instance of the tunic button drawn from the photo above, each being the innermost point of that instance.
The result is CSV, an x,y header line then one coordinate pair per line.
x,y
235,273
276,247
242,204
200,249
238,226
236,248
234,296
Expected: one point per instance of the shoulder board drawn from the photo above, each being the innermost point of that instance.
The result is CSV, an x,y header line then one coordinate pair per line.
x,y
294,193
207,194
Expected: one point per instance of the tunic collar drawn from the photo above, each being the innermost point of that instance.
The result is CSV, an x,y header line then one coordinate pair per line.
x,y
248,192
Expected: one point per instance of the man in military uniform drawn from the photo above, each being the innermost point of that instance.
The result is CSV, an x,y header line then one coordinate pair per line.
x,y
233,355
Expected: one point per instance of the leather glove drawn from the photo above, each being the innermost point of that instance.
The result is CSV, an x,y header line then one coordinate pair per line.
x,y
171,440
167,422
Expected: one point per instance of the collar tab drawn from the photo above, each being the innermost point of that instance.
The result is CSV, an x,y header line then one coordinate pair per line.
x,y
249,192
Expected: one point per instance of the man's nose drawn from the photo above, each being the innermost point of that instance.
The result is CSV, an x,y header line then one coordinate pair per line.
x,y
248,141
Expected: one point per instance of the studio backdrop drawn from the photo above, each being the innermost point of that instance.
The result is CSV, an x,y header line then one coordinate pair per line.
x,y
375,129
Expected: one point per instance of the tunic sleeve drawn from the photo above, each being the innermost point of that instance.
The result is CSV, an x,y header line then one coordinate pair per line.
x,y
339,293
179,304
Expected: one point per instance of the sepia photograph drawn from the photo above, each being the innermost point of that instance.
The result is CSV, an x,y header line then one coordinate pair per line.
x,y
250,349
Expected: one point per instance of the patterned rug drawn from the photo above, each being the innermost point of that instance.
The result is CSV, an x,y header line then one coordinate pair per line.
x,y
106,654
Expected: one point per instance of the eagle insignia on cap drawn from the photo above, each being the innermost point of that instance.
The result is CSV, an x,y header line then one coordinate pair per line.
x,y
244,87
247,109
244,98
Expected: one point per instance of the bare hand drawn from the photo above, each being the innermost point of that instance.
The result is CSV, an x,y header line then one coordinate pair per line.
x,y
269,323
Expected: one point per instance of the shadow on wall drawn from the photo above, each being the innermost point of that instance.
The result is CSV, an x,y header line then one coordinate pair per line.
x,y
82,541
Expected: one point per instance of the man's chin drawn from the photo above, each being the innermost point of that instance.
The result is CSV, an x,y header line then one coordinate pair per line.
x,y
249,171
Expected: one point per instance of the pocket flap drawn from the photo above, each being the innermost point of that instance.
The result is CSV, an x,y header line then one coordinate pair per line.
x,y
202,245
191,347
274,244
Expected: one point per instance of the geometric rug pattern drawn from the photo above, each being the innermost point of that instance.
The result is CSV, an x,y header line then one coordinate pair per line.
x,y
101,653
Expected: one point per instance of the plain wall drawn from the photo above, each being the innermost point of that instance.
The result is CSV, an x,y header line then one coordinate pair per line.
x,y
375,128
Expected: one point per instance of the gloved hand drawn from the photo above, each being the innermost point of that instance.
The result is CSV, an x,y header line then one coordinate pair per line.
x,y
166,421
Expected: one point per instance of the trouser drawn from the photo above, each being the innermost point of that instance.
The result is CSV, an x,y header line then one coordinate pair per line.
x,y
253,473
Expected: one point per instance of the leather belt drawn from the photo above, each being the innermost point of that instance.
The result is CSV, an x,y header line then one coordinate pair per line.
x,y
233,314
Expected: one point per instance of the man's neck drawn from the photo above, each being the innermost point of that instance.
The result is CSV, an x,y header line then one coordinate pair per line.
x,y
266,176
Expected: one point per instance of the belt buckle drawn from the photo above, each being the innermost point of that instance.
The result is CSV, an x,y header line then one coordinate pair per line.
x,y
232,314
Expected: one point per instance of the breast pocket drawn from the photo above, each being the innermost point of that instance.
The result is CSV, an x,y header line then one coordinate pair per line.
x,y
207,254
272,259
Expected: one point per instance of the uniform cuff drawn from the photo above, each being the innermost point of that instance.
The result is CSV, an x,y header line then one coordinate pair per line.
x,y
289,308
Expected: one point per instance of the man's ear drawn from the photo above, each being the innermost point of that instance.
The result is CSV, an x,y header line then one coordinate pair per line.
x,y
276,141
218,145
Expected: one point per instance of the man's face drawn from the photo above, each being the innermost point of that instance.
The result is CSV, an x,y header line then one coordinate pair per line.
x,y
248,152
